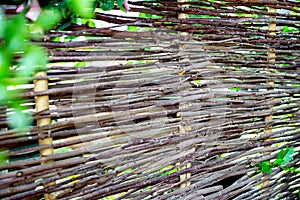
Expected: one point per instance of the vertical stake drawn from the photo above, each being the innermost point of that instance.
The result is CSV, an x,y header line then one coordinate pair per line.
x,y
271,59
41,104
183,129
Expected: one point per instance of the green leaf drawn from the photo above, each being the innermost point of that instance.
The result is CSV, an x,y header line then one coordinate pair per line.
x,y
149,15
197,82
16,33
92,24
2,23
62,150
5,58
3,157
122,8
291,169
4,94
265,167
65,12
82,8
284,157
49,19
132,28
285,29
80,64
19,120
34,58
142,15
87,22
107,4
235,89
120,3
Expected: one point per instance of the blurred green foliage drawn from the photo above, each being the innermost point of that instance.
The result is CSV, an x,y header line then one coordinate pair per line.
x,y
20,58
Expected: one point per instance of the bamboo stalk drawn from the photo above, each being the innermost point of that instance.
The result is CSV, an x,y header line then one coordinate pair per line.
x,y
41,104
183,129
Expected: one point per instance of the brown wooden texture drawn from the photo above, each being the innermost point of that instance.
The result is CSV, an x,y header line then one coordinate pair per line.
x,y
120,107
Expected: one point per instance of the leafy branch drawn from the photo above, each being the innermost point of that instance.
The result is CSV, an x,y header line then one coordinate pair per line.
x,y
284,157
20,59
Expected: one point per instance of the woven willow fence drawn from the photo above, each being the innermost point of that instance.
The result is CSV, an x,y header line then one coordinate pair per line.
x,y
165,107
